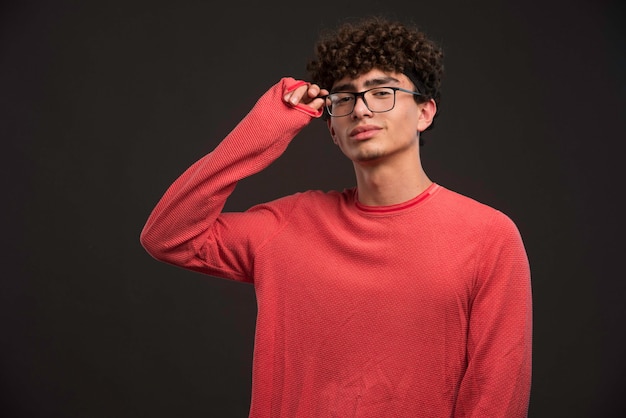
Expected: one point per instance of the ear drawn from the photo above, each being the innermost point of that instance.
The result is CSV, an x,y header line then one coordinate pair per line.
x,y
427,114
331,130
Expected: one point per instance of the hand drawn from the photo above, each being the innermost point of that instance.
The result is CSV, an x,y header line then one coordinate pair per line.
x,y
306,94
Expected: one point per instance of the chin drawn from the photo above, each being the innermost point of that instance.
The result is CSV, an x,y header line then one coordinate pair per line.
x,y
364,157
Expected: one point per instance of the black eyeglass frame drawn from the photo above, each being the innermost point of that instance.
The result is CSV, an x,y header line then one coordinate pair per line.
x,y
361,94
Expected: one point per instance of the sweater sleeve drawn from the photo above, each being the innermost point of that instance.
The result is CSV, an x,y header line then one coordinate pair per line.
x,y
498,376
187,227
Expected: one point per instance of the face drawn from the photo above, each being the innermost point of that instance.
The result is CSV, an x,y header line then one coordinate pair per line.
x,y
365,136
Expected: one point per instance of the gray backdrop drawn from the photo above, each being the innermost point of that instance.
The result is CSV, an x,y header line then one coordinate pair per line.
x,y
104,103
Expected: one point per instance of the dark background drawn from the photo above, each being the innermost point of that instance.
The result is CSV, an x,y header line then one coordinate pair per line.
x,y
104,104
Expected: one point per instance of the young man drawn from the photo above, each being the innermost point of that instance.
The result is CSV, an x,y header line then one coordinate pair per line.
x,y
396,298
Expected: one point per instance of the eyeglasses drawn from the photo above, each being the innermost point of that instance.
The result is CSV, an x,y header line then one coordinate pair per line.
x,y
377,100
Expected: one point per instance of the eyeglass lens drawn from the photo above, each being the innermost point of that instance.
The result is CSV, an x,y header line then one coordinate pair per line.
x,y
379,99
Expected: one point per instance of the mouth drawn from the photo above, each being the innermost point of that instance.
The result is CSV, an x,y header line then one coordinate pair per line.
x,y
361,133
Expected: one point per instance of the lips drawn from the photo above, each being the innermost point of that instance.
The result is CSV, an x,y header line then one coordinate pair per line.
x,y
361,133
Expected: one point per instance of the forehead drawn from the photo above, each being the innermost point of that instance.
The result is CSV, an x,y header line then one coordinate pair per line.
x,y
370,79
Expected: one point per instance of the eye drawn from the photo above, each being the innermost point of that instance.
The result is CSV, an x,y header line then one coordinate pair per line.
x,y
341,99
381,93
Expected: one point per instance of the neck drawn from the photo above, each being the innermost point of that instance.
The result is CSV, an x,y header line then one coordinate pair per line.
x,y
385,184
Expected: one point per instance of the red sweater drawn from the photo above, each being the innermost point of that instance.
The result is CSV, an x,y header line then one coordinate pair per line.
x,y
421,309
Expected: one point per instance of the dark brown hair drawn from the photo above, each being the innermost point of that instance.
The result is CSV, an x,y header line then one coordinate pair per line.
x,y
355,48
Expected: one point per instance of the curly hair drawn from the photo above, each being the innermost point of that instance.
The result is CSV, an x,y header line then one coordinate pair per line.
x,y
375,42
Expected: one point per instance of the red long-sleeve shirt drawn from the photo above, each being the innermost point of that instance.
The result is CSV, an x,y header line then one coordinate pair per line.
x,y
421,309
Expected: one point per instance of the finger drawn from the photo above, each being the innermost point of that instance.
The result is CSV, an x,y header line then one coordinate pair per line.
x,y
318,102
313,91
294,97
320,98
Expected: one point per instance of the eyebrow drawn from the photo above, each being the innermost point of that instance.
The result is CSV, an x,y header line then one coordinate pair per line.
x,y
369,83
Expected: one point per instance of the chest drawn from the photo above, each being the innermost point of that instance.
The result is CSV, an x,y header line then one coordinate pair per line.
x,y
381,270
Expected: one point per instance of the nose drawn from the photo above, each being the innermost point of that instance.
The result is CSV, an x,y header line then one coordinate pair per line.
x,y
360,108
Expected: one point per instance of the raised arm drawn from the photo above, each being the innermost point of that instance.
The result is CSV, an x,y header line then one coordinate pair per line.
x,y
184,217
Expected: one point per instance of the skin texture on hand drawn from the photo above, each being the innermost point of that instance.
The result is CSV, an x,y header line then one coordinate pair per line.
x,y
303,93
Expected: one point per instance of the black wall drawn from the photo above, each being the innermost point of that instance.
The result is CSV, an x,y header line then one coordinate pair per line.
x,y
103,104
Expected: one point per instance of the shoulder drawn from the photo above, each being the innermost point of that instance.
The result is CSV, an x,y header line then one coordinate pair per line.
x,y
454,204
311,200
328,197
471,212
493,231
457,201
